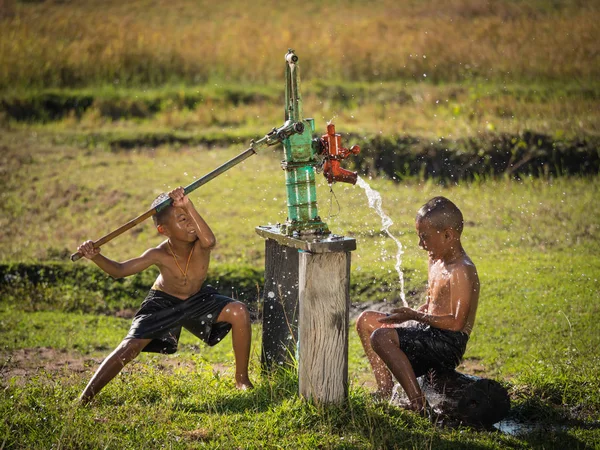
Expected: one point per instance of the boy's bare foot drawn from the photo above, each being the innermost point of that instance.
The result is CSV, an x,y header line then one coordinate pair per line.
x,y
421,407
83,400
243,383
380,396
244,386
418,404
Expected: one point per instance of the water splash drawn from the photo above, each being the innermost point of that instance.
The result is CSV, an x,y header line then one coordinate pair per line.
x,y
375,201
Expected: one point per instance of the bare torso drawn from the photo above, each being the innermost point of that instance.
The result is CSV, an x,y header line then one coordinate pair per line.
x,y
171,278
454,290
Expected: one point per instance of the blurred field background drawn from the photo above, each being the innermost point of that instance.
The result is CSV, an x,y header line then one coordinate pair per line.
x,y
105,104
83,43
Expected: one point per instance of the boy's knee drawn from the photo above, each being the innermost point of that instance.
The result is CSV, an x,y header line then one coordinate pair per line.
x,y
382,338
367,320
237,312
130,348
360,322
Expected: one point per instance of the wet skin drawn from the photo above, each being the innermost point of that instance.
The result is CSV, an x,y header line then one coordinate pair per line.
x,y
183,261
452,297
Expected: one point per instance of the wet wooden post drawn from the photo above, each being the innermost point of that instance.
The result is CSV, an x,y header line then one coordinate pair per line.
x,y
323,292
280,305
324,320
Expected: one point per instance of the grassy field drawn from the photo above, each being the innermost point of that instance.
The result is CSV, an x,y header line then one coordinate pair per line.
x,y
103,105
535,242
109,116
55,43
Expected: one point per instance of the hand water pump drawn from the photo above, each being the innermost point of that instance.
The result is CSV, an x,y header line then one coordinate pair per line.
x,y
301,152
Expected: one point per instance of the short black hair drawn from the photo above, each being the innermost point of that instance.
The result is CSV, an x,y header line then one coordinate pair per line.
x,y
441,213
160,217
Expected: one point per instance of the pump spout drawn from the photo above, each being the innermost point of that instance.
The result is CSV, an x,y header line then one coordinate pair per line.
x,y
333,172
331,148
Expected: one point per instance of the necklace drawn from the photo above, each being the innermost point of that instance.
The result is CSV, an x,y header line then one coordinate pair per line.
x,y
178,266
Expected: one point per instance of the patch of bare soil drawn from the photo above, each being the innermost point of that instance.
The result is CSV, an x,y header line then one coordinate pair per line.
x,y
359,307
126,313
25,364
472,366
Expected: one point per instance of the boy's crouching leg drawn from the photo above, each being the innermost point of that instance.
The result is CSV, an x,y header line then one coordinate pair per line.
x,y
386,344
237,314
366,324
127,350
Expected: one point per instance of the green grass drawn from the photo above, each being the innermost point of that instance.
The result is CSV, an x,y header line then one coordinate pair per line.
x,y
535,243
65,195
103,106
148,408
188,400
99,115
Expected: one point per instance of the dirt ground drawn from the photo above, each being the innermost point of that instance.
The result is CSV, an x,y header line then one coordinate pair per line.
x,y
24,364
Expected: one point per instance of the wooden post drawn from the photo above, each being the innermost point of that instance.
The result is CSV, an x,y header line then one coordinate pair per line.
x,y
324,319
280,310
315,269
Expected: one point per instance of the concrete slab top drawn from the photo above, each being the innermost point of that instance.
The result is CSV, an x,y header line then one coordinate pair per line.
x,y
314,243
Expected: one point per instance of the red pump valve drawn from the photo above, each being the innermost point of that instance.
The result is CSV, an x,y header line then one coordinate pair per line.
x,y
334,153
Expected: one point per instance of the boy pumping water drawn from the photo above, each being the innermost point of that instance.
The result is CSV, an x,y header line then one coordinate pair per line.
x,y
178,298
444,323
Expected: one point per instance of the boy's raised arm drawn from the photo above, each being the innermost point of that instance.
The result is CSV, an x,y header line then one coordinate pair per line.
x,y
205,235
118,269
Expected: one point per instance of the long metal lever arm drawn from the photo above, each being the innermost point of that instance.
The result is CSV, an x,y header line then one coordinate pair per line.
x,y
268,140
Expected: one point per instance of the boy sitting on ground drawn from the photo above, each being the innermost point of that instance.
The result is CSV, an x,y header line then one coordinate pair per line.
x,y
439,339
177,298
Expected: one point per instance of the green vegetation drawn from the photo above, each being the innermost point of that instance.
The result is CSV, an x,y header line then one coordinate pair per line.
x,y
535,242
103,105
227,113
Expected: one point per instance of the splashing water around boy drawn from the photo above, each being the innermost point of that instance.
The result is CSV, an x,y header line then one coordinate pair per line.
x,y
375,201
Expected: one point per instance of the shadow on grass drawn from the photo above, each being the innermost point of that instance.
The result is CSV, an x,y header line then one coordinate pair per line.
x,y
361,418
544,424
270,391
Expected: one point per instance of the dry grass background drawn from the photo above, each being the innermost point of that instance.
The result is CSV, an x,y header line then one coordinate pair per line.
x,y
68,43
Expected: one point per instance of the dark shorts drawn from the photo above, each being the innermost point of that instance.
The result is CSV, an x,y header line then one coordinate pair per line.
x,y
432,348
161,317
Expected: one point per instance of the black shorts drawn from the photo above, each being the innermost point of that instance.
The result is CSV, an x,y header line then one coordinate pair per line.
x,y
162,315
432,348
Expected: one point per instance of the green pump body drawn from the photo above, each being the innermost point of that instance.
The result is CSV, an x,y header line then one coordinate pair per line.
x,y
300,160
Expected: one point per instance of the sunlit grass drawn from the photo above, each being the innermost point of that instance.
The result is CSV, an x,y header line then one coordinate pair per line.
x,y
451,111
534,241
449,69
63,195
90,42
